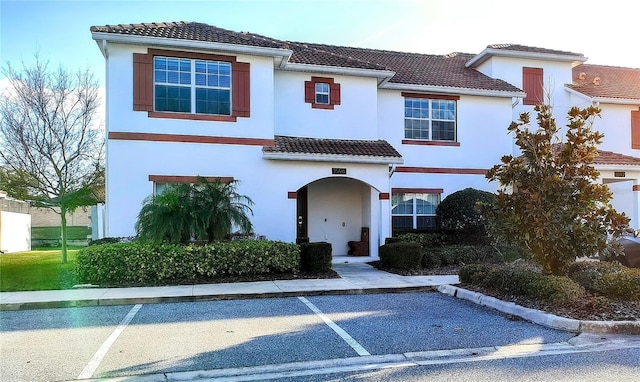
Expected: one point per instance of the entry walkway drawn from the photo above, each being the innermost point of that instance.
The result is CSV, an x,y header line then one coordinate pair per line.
x,y
355,277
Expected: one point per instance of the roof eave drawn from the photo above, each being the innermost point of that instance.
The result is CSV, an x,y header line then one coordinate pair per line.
x,y
332,158
616,167
382,75
453,90
610,100
283,54
489,52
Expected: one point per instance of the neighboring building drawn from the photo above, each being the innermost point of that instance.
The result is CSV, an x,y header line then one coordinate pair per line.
x,y
15,225
327,139
47,217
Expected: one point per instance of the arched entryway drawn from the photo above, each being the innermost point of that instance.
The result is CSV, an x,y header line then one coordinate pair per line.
x,y
334,210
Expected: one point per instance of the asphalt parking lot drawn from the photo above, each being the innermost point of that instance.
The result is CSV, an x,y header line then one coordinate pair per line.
x,y
102,342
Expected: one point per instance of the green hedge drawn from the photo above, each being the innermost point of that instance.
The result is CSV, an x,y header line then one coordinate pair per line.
x,y
151,264
517,280
315,257
608,279
403,255
459,255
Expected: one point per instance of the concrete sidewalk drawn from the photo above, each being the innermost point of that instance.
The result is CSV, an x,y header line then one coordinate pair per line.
x,y
355,277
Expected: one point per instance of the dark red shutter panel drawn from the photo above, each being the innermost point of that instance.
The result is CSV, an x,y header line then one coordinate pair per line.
x,y
532,84
309,92
335,94
241,89
635,129
142,82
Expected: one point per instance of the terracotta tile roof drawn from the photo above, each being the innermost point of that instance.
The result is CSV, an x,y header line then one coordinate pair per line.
x,y
611,158
532,49
189,31
614,82
347,147
424,69
410,68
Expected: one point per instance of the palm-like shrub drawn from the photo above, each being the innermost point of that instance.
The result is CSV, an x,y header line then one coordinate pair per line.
x,y
217,208
202,211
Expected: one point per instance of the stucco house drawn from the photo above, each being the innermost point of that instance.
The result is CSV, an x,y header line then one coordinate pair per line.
x,y
328,140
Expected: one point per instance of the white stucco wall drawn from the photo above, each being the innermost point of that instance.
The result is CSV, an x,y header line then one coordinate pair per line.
x,y
354,118
15,232
625,200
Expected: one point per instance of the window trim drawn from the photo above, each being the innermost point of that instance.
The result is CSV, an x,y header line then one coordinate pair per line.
x,y
433,142
143,85
310,93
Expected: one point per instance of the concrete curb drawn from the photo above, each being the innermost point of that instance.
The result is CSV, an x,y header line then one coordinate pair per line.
x,y
71,303
541,318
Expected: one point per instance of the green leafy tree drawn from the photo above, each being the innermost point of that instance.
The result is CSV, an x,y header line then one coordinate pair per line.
x,y
204,211
51,149
550,201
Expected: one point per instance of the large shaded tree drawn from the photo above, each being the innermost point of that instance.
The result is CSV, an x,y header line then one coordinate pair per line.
x,y
51,148
551,200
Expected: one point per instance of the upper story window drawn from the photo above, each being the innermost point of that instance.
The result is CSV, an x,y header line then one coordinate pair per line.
x,y
429,119
533,85
322,93
192,86
187,85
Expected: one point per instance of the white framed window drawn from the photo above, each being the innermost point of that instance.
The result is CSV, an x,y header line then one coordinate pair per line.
x,y
322,93
430,119
413,211
194,86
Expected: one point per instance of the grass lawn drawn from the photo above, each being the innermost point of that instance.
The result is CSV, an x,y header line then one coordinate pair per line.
x,y
52,233
37,270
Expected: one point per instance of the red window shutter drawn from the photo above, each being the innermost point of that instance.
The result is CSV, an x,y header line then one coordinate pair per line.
x,y
241,89
635,129
334,97
309,92
142,82
532,84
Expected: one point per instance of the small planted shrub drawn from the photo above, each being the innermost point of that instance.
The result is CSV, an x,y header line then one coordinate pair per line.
x,y
315,257
609,279
519,280
459,255
425,240
403,256
139,263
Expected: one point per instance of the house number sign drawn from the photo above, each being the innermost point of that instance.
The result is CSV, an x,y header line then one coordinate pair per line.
x,y
339,171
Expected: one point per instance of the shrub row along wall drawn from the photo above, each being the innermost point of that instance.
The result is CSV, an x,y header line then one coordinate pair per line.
x,y
147,263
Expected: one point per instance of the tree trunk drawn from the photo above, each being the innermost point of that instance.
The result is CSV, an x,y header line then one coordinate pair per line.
x,y
63,226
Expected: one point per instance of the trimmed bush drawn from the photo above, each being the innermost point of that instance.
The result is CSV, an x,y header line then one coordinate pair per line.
x,y
609,279
459,255
138,263
460,219
403,256
425,240
518,280
315,257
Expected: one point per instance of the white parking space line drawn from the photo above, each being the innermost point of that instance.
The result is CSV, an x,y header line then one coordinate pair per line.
x,y
344,335
93,364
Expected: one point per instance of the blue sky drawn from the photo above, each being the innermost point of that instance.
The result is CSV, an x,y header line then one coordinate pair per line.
x,y
58,31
